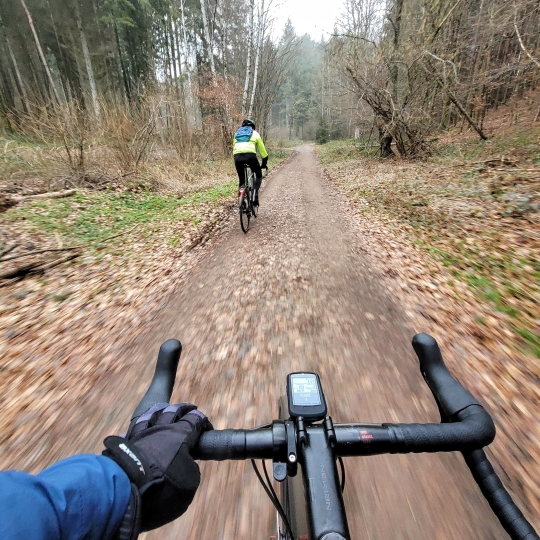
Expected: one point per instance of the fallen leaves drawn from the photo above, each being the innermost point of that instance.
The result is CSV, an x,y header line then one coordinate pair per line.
x,y
94,305
61,333
470,281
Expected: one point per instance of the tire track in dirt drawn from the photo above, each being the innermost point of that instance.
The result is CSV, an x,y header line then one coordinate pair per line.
x,y
297,293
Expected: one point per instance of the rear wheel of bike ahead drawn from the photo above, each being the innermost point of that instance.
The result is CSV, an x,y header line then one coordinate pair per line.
x,y
243,210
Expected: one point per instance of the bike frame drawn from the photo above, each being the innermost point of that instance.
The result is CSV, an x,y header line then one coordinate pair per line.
x,y
248,175
324,501
324,509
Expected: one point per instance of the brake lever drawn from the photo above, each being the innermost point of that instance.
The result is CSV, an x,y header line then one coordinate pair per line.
x,y
451,397
162,384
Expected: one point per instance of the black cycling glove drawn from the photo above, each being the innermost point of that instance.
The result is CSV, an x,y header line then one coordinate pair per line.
x,y
155,456
264,164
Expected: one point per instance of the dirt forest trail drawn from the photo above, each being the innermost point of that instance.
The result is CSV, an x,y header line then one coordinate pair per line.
x,y
296,293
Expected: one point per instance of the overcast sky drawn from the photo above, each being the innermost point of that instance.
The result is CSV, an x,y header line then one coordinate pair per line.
x,y
311,17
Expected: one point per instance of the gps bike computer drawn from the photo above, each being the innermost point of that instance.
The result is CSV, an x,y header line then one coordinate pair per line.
x,y
305,396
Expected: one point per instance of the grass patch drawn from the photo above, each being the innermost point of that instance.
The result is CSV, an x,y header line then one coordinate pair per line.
x,y
479,218
89,217
519,142
343,150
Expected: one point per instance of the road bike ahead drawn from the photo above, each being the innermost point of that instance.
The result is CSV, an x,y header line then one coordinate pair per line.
x,y
306,436
246,205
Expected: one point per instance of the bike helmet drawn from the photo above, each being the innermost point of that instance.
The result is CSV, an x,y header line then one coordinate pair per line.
x,y
248,122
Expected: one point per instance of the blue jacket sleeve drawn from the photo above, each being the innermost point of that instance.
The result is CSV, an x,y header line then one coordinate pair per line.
x,y
82,497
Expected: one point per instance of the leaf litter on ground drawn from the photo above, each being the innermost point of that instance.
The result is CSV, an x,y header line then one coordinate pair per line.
x,y
61,332
465,264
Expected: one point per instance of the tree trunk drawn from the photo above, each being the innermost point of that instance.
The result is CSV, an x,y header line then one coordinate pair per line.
x,y
87,60
471,122
248,64
459,106
187,54
14,90
223,27
207,37
22,88
394,71
8,98
168,67
260,37
40,52
173,54
4,109
110,64
385,144
122,65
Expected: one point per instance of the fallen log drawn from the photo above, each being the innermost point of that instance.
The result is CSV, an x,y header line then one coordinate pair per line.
x,y
39,251
36,267
9,248
48,195
20,270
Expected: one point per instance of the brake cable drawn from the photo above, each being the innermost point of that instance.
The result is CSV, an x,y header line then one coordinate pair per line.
x,y
342,467
272,496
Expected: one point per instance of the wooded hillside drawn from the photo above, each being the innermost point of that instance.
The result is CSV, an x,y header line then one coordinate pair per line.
x,y
402,71
184,71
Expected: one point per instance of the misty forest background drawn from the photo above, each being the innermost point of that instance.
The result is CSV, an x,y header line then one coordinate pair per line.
x,y
133,74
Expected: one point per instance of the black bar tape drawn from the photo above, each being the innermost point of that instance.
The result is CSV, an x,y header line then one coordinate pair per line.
x,y
221,445
474,429
510,516
160,389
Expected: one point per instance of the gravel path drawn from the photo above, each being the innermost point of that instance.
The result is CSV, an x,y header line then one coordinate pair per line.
x,y
296,293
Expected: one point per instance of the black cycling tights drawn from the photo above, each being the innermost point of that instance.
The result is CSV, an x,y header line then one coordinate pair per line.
x,y
248,159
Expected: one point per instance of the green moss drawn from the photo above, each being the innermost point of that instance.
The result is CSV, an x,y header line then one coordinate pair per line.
x,y
89,217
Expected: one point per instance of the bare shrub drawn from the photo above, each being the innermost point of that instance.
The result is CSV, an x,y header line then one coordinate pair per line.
x,y
220,100
66,132
130,131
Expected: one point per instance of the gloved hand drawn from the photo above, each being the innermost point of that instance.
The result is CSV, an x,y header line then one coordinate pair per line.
x,y
264,164
155,456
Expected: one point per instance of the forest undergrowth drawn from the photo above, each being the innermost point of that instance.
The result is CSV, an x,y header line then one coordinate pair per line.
x,y
458,238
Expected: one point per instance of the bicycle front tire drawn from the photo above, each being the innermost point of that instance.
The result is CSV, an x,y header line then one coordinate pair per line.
x,y
254,207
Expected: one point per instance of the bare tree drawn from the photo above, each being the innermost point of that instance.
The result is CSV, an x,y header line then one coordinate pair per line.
x,y
209,42
40,52
21,86
260,40
249,49
87,60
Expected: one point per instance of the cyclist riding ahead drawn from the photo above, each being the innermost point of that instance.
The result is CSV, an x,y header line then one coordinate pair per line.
x,y
246,142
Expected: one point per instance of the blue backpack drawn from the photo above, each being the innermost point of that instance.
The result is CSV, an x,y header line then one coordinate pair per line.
x,y
243,134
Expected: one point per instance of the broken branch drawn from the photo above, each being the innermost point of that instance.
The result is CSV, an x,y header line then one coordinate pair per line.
x,y
51,195
39,251
9,248
36,267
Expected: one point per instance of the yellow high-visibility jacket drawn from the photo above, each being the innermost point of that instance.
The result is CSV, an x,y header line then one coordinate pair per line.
x,y
255,143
